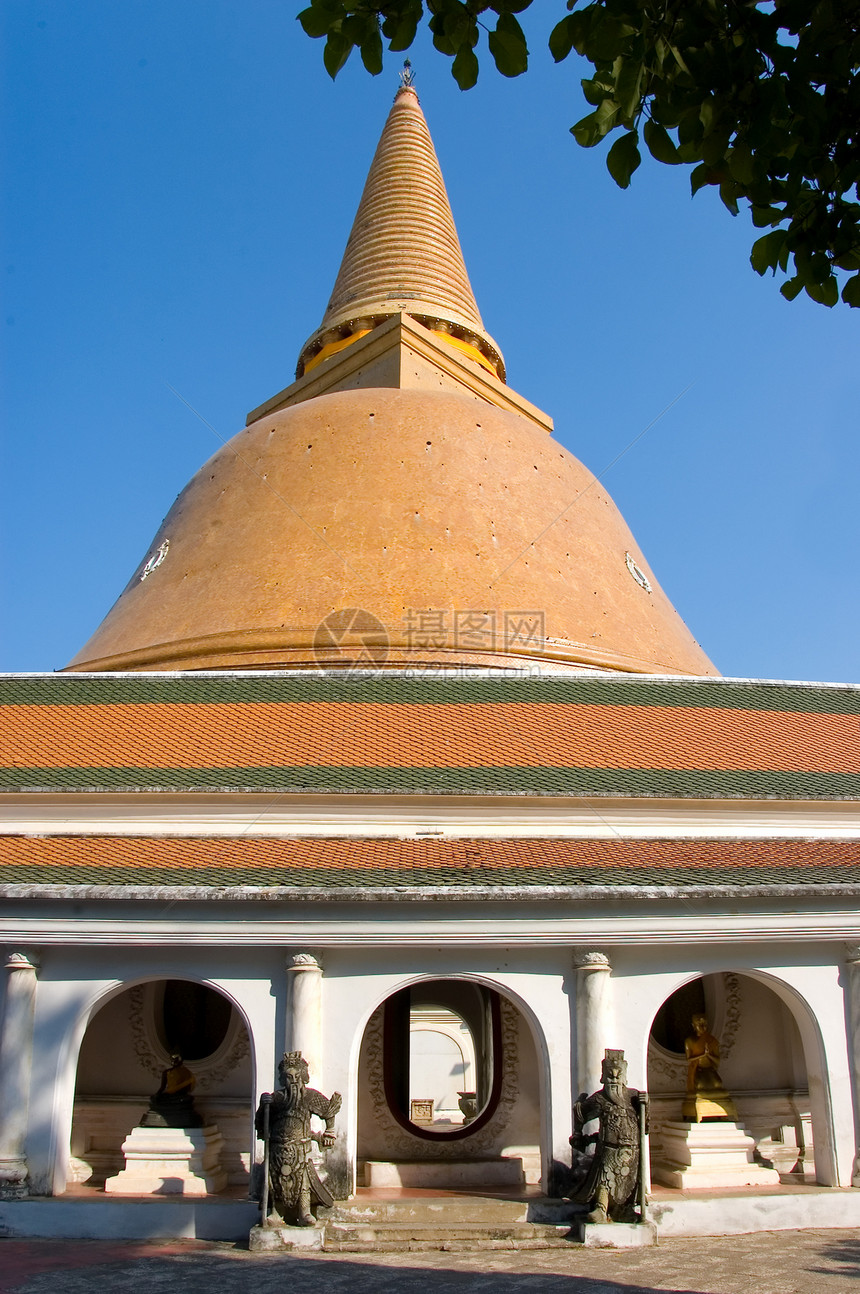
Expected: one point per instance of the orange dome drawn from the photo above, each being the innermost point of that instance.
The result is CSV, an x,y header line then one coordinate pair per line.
x,y
464,529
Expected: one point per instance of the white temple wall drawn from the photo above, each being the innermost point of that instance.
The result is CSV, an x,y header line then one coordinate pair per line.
x,y
74,982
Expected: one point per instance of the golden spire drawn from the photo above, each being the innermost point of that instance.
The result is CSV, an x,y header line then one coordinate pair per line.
x,y
403,254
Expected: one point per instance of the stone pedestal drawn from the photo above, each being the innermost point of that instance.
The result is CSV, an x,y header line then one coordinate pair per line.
x,y
716,1104
703,1155
16,1060
267,1240
170,1161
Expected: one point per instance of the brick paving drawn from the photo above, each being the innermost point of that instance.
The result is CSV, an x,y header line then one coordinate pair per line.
x,y
777,1262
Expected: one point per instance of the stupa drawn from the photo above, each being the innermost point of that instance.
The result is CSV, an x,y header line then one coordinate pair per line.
x,y
398,476
394,753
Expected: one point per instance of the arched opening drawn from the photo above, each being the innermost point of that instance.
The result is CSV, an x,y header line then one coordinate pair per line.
x,y
437,1034
756,1074
127,1046
449,1089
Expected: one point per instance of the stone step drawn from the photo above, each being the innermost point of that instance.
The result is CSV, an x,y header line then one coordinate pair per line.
x,y
445,1174
409,1237
442,1246
448,1210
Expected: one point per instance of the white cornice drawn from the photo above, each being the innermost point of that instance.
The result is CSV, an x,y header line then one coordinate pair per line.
x,y
463,930
417,817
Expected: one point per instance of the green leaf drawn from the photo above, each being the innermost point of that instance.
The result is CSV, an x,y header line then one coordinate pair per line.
x,y
595,91
729,196
701,176
441,40
741,164
508,46
660,144
586,131
371,53
623,158
826,293
676,53
457,24
628,83
607,37
356,27
851,291
561,39
400,31
792,288
690,128
337,51
465,67
318,19
762,216
766,251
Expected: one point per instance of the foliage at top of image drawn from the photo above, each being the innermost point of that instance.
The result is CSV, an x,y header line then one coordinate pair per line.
x,y
760,97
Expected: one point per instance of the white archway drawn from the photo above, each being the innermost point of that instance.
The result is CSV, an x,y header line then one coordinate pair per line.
x,y
508,994
68,1054
813,1045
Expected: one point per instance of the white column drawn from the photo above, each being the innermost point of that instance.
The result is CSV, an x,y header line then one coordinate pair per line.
x,y
593,1017
304,1011
852,1018
16,1062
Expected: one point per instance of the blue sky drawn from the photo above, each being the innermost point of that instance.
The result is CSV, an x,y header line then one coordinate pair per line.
x,y
180,182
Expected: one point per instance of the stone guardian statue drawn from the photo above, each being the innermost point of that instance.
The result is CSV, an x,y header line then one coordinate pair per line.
x,y
283,1123
611,1184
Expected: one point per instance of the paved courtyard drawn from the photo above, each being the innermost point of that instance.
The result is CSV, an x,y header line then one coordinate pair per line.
x,y
804,1262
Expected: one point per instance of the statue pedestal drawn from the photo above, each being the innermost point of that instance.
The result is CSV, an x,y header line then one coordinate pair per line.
x,y
709,1105
266,1240
617,1235
170,1161
702,1155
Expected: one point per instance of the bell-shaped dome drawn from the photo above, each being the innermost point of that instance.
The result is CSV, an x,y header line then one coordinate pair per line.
x,y
463,530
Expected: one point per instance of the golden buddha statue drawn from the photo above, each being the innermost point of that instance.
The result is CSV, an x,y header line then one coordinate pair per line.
x,y
706,1096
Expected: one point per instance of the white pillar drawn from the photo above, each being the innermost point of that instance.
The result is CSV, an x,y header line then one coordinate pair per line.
x,y
593,1017
852,1019
16,1062
304,1012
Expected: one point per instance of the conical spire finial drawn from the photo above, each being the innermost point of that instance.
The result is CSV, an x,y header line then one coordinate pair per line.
x,y
403,253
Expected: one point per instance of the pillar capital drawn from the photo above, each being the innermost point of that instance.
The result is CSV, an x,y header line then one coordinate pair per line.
x,y
852,953
591,959
303,962
21,961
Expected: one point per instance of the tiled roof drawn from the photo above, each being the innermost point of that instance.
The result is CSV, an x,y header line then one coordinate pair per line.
x,y
362,864
589,736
